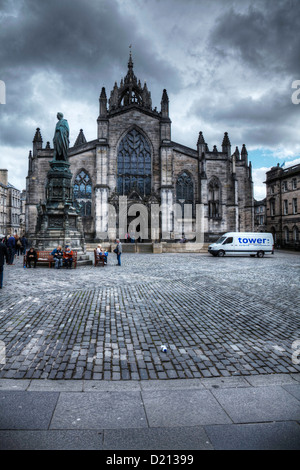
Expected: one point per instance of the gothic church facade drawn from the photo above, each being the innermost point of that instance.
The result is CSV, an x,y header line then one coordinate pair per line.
x,y
135,156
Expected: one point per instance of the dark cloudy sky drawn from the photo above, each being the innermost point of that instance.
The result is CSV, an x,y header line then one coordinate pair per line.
x,y
228,65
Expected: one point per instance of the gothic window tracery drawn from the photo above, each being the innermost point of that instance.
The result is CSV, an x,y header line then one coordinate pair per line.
x,y
184,189
134,164
83,192
214,197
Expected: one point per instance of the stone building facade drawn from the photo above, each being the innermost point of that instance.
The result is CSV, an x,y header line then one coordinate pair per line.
x,y
134,157
260,215
3,201
10,206
283,205
13,210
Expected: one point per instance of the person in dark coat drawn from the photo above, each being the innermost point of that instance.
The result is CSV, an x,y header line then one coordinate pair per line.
x,y
11,245
3,254
24,244
31,257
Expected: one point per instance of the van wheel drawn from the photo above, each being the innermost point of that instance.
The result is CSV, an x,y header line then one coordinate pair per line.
x,y
260,254
221,253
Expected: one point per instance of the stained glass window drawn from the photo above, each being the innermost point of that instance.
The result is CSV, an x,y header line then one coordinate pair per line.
x,y
134,164
83,192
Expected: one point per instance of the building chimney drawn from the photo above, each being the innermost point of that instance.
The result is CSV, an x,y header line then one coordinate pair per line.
x,y
4,177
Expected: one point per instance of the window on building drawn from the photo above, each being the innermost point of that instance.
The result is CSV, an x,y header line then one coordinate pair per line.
x,y
285,186
295,234
83,192
285,207
295,206
286,234
184,189
134,164
272,207
214,199
294,183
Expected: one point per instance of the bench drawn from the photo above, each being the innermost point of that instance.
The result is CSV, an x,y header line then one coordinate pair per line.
x,y
44,256
99,259
74,263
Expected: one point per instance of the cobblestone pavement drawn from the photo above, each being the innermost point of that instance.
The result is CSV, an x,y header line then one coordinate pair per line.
x,y
218,317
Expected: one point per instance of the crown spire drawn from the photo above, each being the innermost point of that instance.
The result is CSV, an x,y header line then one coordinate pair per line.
x,y
130,77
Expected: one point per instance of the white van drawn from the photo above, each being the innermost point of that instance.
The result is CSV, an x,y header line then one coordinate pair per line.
x,y
249,243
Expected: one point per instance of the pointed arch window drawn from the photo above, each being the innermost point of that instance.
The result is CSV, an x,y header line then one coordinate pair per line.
x,y
134,164
214,197
83,192
184,189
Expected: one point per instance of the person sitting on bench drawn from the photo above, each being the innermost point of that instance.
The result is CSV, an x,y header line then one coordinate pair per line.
x,y
101,252
58,256
31,257
68,257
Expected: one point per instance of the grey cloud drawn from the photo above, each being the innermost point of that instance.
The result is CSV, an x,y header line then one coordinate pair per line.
x,y
86,44
271,120
266,36
81,41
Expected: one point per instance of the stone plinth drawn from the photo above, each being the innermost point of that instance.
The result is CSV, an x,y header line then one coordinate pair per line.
x,y
59,222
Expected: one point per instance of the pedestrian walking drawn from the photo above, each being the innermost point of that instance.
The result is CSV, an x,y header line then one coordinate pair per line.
x,y
19,248
118,251
11,245
24,244
3,254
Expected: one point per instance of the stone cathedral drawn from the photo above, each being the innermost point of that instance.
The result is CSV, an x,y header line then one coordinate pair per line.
x,y
134,155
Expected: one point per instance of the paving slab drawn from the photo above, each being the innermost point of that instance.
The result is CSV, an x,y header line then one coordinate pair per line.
x,y
249,405
99,410
293,389
173,408
55,385
275,379
171,384
26,410
51,440
261,436
187,438
110,386
11,384
225,382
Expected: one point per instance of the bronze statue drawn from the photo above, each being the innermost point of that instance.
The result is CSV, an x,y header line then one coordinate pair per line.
x,y
61,139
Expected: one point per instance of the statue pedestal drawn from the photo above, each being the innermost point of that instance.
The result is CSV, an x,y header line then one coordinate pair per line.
x,y
59,222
